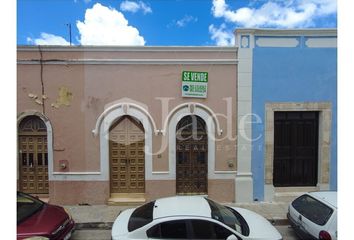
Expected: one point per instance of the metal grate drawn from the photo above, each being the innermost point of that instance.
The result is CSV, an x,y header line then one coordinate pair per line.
x,y
191,156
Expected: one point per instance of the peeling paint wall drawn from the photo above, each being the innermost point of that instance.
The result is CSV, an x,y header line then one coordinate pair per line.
x,y
64,99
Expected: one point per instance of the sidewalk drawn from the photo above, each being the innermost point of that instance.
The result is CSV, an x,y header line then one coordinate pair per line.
x,y
103,216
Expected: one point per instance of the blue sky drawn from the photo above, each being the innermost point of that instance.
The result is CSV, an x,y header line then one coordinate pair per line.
x,y
162,22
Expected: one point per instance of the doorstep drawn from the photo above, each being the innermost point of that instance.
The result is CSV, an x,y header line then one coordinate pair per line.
x,y
124,199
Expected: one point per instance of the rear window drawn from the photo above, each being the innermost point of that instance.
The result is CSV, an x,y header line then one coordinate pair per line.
x,y
228,216
313,209
141,216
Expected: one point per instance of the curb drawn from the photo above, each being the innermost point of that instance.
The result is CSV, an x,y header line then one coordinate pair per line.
x,y
94,225
279,222
108,225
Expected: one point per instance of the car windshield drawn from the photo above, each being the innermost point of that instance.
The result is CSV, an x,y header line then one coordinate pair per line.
x,y
313,209
141,216
229,217
27,206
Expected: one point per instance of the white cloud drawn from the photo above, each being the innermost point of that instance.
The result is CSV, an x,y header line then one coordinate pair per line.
x,y
107,26
285,14
221,36
48,39
131,6
185,20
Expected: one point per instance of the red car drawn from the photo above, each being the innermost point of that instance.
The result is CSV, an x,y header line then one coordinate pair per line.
x,y
39,219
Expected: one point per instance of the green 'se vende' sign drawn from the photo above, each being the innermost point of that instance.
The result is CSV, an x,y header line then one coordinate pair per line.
x,y
194,84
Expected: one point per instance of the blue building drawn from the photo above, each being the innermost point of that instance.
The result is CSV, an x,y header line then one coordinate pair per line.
x,y
287,112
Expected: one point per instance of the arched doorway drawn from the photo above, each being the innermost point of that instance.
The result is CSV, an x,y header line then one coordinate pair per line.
x,y
33,156
191,156
127,156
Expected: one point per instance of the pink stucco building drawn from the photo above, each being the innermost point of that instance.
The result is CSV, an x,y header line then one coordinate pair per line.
x,y
111,125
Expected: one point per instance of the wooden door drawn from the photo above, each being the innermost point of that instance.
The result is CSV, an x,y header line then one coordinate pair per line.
x,y
191,156
295,148
33,156
127,156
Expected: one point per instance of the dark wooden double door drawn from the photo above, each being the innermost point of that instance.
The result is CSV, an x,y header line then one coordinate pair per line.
x,y
191,156
295,149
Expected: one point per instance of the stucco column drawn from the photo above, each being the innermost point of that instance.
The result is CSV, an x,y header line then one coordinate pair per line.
x,y
244,179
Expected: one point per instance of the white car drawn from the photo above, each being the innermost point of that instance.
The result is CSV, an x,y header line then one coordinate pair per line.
x,y
314,215
191,217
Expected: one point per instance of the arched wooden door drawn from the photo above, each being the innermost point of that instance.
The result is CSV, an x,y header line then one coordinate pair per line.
x,y
33,156
191,156
127,156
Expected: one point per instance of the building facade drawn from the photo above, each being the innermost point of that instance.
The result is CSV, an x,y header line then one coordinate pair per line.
x,y
112,124
287,80
254,122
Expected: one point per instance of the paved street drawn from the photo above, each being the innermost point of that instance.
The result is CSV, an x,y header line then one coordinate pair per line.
x,y
91,235
285,231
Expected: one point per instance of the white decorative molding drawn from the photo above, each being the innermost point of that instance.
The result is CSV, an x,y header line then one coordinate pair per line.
x,y
225,172
160,173
244,188
191,108
244,174
109,118
244,177
187,105
79,177
106,119
321,42
245,41
277,42
203,113
125,108
76,173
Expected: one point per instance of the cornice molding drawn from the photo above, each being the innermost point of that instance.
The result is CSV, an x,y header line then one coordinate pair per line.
x,y
31,48
288,32
127,61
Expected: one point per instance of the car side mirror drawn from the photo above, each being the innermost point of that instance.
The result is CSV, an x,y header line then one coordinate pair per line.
x,y
232,237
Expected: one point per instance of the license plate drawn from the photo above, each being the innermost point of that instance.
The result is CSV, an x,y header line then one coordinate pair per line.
x,y
67,236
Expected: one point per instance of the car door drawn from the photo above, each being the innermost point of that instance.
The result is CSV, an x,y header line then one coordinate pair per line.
x,y
204,229
174,229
